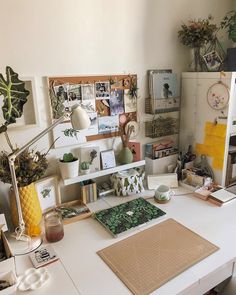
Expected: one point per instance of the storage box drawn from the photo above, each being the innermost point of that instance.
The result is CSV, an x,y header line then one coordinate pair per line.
x,y
128,182
8,264
75,205
88,191
11,278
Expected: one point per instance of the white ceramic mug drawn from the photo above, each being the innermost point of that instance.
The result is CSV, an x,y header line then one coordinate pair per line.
x,y
163,193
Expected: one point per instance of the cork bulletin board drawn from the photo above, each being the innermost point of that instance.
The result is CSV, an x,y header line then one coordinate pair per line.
x,y
110,101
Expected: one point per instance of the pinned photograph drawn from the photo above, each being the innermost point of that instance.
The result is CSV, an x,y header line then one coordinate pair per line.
x,y
61,92
103,107
88,97
117,102
212,61
74,92
130,102
102,90
108,124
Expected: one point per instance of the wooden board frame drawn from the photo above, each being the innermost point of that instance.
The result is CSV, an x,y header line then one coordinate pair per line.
x,y
120,82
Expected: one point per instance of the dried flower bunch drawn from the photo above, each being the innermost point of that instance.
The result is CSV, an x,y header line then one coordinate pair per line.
x,y
197,33
30,166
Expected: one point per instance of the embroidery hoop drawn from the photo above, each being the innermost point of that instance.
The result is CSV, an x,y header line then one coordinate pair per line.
x,y
220,100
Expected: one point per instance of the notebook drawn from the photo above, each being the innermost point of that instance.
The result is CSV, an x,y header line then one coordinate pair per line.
x,y
127,216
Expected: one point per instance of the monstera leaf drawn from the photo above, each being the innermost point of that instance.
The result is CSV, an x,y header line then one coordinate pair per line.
x,y
14,96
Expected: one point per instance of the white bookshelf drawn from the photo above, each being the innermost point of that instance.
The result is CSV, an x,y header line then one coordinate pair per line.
x,y
83,177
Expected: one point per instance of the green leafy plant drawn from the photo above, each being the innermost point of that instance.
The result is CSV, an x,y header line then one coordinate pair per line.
x,y
229,23
68,157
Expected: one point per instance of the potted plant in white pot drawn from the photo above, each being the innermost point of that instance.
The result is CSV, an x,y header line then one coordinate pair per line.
x,y
69,166
229,23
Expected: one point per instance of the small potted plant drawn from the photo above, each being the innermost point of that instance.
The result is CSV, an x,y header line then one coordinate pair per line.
x,y
69,166
229,23
85,165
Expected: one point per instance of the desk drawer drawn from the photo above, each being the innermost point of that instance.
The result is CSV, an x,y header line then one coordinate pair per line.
x,y
216,277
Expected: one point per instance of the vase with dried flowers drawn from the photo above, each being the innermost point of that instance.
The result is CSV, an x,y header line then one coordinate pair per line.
x,y
125,156
30,165
196,34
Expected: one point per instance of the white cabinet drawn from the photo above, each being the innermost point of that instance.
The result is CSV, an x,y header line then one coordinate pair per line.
x,y
198,120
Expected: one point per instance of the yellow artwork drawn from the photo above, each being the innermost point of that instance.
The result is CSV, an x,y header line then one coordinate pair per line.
x,y
214,144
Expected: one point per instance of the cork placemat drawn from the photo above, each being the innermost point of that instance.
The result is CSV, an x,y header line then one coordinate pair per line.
x,y
150,258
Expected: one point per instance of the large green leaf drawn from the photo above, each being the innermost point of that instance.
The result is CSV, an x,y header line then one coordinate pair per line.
x,y
14,96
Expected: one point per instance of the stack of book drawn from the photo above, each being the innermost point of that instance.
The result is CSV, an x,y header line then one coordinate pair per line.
x,y
218,195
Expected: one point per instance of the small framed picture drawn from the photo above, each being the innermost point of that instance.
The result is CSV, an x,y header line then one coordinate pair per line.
x,y
212,61
48,192
108,159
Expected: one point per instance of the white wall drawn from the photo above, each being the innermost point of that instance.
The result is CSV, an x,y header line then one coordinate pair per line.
x,y
79,37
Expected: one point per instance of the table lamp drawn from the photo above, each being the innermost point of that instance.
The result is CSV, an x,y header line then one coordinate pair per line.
x,y
21,243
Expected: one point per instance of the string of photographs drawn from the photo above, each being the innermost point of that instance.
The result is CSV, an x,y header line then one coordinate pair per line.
x,y
110,101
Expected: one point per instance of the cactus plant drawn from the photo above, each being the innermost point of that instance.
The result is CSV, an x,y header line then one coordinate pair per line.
x,y
68,157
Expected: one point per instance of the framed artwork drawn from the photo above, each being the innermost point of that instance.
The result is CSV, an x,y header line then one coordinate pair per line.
x,y
108,159
212,61
48,192
30,117
85,156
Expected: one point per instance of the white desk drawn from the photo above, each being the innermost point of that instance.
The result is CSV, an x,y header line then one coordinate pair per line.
x,y
85,273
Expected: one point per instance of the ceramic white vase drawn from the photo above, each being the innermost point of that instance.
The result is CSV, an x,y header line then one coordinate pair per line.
x,y
69,169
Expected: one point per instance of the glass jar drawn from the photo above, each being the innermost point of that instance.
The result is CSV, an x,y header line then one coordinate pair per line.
x,y
54,230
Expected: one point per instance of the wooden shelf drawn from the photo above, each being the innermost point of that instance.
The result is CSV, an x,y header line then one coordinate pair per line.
x,y
83,177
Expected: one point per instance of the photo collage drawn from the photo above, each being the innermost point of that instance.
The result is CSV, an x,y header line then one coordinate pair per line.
x,y
106,103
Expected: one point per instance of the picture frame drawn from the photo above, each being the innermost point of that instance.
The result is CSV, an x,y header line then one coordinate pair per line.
x,y
84,156
48,193
30,116
108,159
212,60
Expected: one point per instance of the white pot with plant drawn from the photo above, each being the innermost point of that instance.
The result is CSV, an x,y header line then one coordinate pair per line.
x,y
69,166
85,165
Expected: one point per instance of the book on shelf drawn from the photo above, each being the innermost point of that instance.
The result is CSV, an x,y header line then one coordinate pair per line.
x,y
221,196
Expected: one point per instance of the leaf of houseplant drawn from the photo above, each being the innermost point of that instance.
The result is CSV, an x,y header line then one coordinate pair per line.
x,y
14,96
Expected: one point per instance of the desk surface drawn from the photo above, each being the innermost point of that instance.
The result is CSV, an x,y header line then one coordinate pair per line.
x,y
82,271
